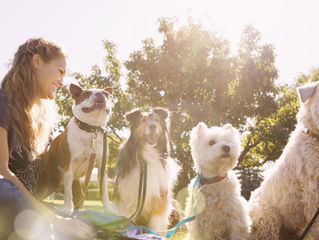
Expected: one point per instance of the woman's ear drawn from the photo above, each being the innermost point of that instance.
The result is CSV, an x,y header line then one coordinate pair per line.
x,y
36,60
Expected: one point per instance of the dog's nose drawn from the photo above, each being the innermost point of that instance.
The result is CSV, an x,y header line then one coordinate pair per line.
x,y
99,98
226,148
152,127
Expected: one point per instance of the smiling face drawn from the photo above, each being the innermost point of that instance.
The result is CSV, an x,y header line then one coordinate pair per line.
x,y
49,75
92,106
149,126
215,150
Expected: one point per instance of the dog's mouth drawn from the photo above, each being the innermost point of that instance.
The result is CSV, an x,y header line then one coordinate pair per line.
x,y
151,138
96,106
226,155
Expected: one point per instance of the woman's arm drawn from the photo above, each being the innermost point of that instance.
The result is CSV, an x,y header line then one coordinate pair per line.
x,y
71,227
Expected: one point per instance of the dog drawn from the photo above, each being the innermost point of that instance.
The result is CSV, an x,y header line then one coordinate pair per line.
x,y
148,142
214,197
69,155
288,197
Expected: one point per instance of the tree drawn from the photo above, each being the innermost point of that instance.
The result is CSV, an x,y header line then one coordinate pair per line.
x,y
193,74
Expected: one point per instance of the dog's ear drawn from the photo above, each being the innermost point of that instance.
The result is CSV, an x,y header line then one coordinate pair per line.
x,y
198,131
133,115
305,93
228,126
162,112
109,90
75,90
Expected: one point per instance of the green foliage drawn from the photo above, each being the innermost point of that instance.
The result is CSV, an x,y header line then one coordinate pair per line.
x,y
193,74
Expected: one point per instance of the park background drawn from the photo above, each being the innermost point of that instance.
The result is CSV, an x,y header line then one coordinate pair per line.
x,y
219,62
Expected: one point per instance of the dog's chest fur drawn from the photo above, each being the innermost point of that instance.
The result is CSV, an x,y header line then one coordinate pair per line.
x,y
159,176
80,148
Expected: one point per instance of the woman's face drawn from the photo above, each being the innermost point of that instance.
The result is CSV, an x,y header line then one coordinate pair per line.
x,y
49,76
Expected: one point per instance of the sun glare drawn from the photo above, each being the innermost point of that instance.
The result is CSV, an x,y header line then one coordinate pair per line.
x,y
231,16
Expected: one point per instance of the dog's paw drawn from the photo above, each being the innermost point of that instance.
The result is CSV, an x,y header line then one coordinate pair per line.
x,y
68,211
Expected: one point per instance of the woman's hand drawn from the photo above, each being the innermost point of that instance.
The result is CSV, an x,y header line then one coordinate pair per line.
x,y
73,227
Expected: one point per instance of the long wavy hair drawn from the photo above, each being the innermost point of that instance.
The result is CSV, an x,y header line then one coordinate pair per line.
x,y
30,118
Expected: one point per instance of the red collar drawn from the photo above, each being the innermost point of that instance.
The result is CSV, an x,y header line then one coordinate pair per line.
x,y
216,179
310,133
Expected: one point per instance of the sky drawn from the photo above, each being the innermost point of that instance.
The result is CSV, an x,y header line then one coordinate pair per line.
x,y
80,26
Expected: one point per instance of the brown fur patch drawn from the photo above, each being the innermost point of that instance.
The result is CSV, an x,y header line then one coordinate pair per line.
x,y
84,95
159,204
59,155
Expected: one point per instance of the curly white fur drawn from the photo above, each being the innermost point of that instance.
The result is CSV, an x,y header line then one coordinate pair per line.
x,y
222,213
289,196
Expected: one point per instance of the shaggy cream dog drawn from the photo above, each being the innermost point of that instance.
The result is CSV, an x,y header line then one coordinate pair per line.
x,y
216,201
289,196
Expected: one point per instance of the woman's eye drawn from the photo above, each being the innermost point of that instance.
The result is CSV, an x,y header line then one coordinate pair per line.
x,y
212,142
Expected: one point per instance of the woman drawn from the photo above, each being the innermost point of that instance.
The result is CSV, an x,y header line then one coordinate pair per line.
x,y
37,71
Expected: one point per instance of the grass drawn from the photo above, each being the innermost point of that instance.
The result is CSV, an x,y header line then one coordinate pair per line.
x,y
88,204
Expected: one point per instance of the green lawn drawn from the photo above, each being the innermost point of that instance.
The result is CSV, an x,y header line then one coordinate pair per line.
x,y
88,204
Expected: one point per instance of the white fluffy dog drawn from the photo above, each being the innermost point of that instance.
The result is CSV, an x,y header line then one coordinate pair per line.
x,y
289,196
223,212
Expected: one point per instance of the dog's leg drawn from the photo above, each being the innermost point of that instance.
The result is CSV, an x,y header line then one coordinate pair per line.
x,y
77,193
68,179
159,219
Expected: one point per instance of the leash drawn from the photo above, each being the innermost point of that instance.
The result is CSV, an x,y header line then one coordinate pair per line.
x,y
141,195
303,235
88,173
199,182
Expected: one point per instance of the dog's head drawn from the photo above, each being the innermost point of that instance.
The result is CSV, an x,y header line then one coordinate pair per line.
x,y
308,115
149,126
214,150
92,106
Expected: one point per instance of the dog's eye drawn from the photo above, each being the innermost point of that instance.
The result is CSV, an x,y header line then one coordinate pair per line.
x,y
212,142
106,94
87,94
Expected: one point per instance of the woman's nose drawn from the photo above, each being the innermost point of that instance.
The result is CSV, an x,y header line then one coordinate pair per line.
x,y
60,82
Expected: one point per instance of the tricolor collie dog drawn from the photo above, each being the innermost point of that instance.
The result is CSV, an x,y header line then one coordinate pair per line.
x,y
69,155
148,142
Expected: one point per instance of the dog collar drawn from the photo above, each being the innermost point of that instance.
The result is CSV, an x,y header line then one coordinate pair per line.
x,y
204,181
87,127
310,133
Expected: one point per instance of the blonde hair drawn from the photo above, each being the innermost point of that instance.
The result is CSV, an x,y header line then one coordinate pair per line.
x,y
29,118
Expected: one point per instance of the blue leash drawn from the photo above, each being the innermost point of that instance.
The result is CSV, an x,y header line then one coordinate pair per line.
x,y
175,228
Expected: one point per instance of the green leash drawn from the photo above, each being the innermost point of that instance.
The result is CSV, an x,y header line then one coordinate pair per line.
x,y
119,224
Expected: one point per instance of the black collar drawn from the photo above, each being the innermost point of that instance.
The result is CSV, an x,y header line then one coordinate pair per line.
x,y
88,128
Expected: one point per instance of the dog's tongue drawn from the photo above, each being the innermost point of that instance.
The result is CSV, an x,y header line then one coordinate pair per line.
x,y
151,139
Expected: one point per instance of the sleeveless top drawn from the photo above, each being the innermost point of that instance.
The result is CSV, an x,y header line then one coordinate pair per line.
x,y
20,162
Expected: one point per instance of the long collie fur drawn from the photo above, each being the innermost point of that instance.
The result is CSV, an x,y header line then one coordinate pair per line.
x,y
148,141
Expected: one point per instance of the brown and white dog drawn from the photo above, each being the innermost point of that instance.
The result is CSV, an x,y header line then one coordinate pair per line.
x,y
148,142
68,157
